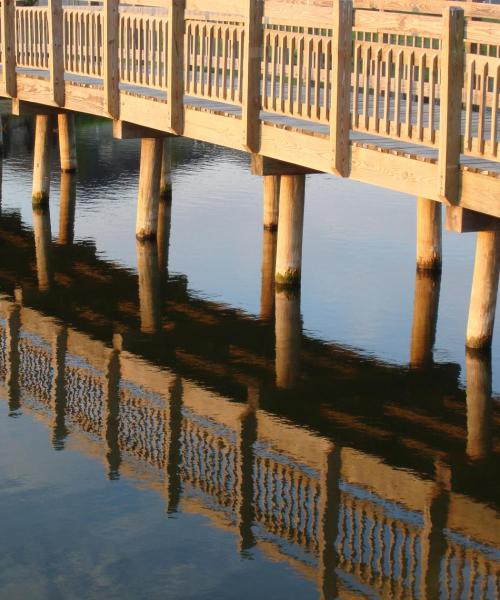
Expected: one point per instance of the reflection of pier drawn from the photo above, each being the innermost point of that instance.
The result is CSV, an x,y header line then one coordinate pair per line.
x,y
200,427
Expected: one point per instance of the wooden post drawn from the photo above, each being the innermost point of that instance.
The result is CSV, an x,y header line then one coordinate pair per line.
x,y
111,72
425,314
149,189
288,332
429,235
67,142
42,155
267,289
340,106
149,288
8,37
56,52
252,61
479,404
484,290
42,233
163,235
450,115
290,226
166,170
67,209
175,68
271,201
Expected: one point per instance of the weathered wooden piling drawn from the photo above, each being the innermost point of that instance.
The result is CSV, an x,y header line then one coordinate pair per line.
x,y
166,170
288,331
67,142
163,233
429,235
67,208
271,201
149,285
479,404
290,230
42,234
149,188
267,289
42,155
484,290
425,314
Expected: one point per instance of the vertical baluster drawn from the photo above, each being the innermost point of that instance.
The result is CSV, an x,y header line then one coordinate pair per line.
x,y
232,76
409,93
397,93
433,69
420,97
482,109
274,69
387,94
210,51
291,73
376,91
203,60
317,77
366,87
356,90
300,76
494,113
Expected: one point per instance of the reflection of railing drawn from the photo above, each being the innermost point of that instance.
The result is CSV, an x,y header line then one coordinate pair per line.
x,y
373,67
381,545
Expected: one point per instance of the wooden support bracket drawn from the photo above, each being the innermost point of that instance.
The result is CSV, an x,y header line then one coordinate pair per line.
x,y
462,220
263,166
123,130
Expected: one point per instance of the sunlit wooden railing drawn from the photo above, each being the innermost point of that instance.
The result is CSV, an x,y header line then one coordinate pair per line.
x,y
380,545
398,64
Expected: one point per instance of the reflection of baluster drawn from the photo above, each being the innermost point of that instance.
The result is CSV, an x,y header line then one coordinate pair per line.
x,y
173,423
269,239
425,314
479,404
149,290
67,208
111,410
328,523
460,563
288,329
247,435
368,570
12,331
379,579
58,392
41,230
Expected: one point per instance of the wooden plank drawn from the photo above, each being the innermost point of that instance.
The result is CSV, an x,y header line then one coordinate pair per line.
x,y
452,68
8,29
463,220
252,60
264,166
56,50
175,68
111,73
340,110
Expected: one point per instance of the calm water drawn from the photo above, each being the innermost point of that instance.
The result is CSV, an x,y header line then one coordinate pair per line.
x,y
166,432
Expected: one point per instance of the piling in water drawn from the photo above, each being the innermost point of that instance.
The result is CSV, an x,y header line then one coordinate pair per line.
x,y
149,188
41,161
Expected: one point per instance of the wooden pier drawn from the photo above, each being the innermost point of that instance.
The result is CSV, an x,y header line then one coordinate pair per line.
x,y
394,93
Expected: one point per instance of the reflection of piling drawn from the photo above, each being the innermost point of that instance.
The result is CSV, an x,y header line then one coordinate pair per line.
x,y
149,188
269,245
67,208
429,235
425,314
12,331
479,404
290,228
271,201
58,392
42,233
245,509
149,286
484,290
173,430
288,330
41,159
163,236
111,408
67,142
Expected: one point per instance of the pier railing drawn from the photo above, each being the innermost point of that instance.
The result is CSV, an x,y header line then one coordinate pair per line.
x,y
425,73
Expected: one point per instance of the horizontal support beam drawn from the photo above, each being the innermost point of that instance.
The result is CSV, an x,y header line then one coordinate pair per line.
x,y
264,166
128,131
462,220
21,108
